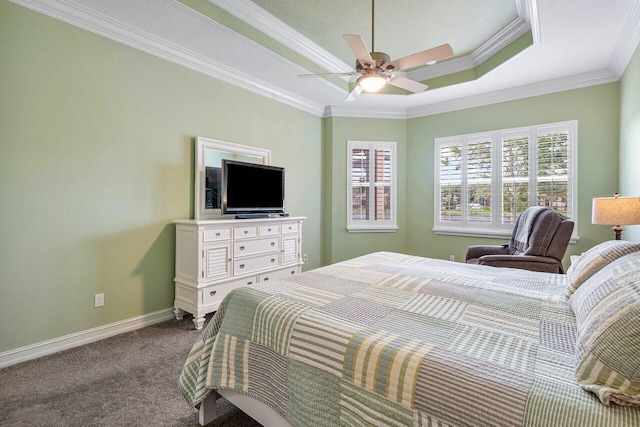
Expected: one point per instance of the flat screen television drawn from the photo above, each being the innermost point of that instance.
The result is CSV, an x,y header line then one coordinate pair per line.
x,y
251,188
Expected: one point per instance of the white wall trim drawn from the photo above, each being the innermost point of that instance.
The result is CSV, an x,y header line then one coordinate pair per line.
x,y
55,345
500,40
262,20
628,41
528,10
83,17
363,112
512,94
528,15
86,19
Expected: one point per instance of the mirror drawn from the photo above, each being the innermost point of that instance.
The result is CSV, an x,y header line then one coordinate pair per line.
x,y
209,156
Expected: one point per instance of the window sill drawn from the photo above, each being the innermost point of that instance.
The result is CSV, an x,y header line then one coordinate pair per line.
x,y
370,229
489,234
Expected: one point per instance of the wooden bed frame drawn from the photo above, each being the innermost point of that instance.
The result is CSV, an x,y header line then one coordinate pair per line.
x,y
250,406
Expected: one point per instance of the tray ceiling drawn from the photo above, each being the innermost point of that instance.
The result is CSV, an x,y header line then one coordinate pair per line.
x,y
503,49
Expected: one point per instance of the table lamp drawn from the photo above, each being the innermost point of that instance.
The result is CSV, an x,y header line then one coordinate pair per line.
x,y
616,211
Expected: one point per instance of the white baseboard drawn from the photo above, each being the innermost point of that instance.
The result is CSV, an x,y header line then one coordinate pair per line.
x,y
44,348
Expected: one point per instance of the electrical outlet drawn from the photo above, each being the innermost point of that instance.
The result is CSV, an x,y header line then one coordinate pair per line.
x,y
98,300
452,257
305,258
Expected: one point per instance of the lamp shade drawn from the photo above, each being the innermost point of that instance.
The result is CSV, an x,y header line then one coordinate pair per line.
x,y
616,210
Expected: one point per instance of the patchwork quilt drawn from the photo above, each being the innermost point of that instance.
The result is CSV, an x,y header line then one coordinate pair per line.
x,y
388,339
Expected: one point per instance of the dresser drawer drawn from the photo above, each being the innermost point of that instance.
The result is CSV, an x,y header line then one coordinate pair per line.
x,y
269,230
252,247
279,274
215,294
249,265
291,227
245,232
213,234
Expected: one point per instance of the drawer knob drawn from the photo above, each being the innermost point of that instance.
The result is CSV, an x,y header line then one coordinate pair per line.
x,y
241,266
273,260
293,272
266,278
268,229
242,248
246,231
273,243
249,283
217,234
212,293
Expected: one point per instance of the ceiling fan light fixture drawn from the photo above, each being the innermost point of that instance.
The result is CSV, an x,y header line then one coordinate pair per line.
x,y
372,82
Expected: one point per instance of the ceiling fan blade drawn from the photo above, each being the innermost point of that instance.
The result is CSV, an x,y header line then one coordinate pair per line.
x,y
350,73
354,94
407,84
357,46
422,58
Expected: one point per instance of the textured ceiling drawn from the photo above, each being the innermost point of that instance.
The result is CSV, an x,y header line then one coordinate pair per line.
x,y
401,27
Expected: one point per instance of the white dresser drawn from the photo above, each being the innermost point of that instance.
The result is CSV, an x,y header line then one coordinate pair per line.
x,y
213,257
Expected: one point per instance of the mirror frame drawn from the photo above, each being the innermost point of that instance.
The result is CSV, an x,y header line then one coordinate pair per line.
x,y
203,144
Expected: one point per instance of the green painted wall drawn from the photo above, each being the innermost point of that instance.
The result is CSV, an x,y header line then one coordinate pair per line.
x,y
96,160
597,111
630,137
340,244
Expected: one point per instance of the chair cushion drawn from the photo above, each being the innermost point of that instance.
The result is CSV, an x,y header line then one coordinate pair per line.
x,y
607,309
595,259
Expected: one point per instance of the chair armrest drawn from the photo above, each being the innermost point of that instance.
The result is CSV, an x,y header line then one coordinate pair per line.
x,y
479,250
524,262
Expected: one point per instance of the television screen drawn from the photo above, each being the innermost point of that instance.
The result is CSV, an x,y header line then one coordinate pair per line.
x,y
250,188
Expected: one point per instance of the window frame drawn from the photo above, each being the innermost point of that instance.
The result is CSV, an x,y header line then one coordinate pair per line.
x,y
372,224
495,228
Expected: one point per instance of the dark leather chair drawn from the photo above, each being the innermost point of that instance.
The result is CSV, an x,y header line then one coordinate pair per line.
x,y
538,243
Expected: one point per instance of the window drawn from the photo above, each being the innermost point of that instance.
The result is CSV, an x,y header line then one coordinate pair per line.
x,y
371,188
485,181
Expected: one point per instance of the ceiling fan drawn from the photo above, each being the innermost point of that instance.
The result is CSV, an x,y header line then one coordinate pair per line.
x,y
377,69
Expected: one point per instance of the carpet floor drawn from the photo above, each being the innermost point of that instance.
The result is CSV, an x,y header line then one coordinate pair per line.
x,y
126,380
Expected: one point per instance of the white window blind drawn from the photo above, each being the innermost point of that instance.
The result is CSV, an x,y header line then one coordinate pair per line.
x,y
485,181
371,187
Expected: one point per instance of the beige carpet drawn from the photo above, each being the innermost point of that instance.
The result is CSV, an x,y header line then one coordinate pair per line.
x,y
127,380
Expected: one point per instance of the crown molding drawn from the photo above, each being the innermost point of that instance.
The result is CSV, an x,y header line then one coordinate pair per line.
x,y
443,68
81,16
500,40
628,41
364,113
262,20
515,93
527,12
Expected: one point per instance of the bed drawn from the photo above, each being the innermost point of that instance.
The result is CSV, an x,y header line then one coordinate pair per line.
x,y
388,339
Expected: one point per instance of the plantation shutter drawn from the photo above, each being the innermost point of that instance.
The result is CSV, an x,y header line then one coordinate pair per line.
x,y
515,177
371,169
553,170
451,183
479,166
485,181
360,184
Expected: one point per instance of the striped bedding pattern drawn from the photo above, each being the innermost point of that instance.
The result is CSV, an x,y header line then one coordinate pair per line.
x,y
389,339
